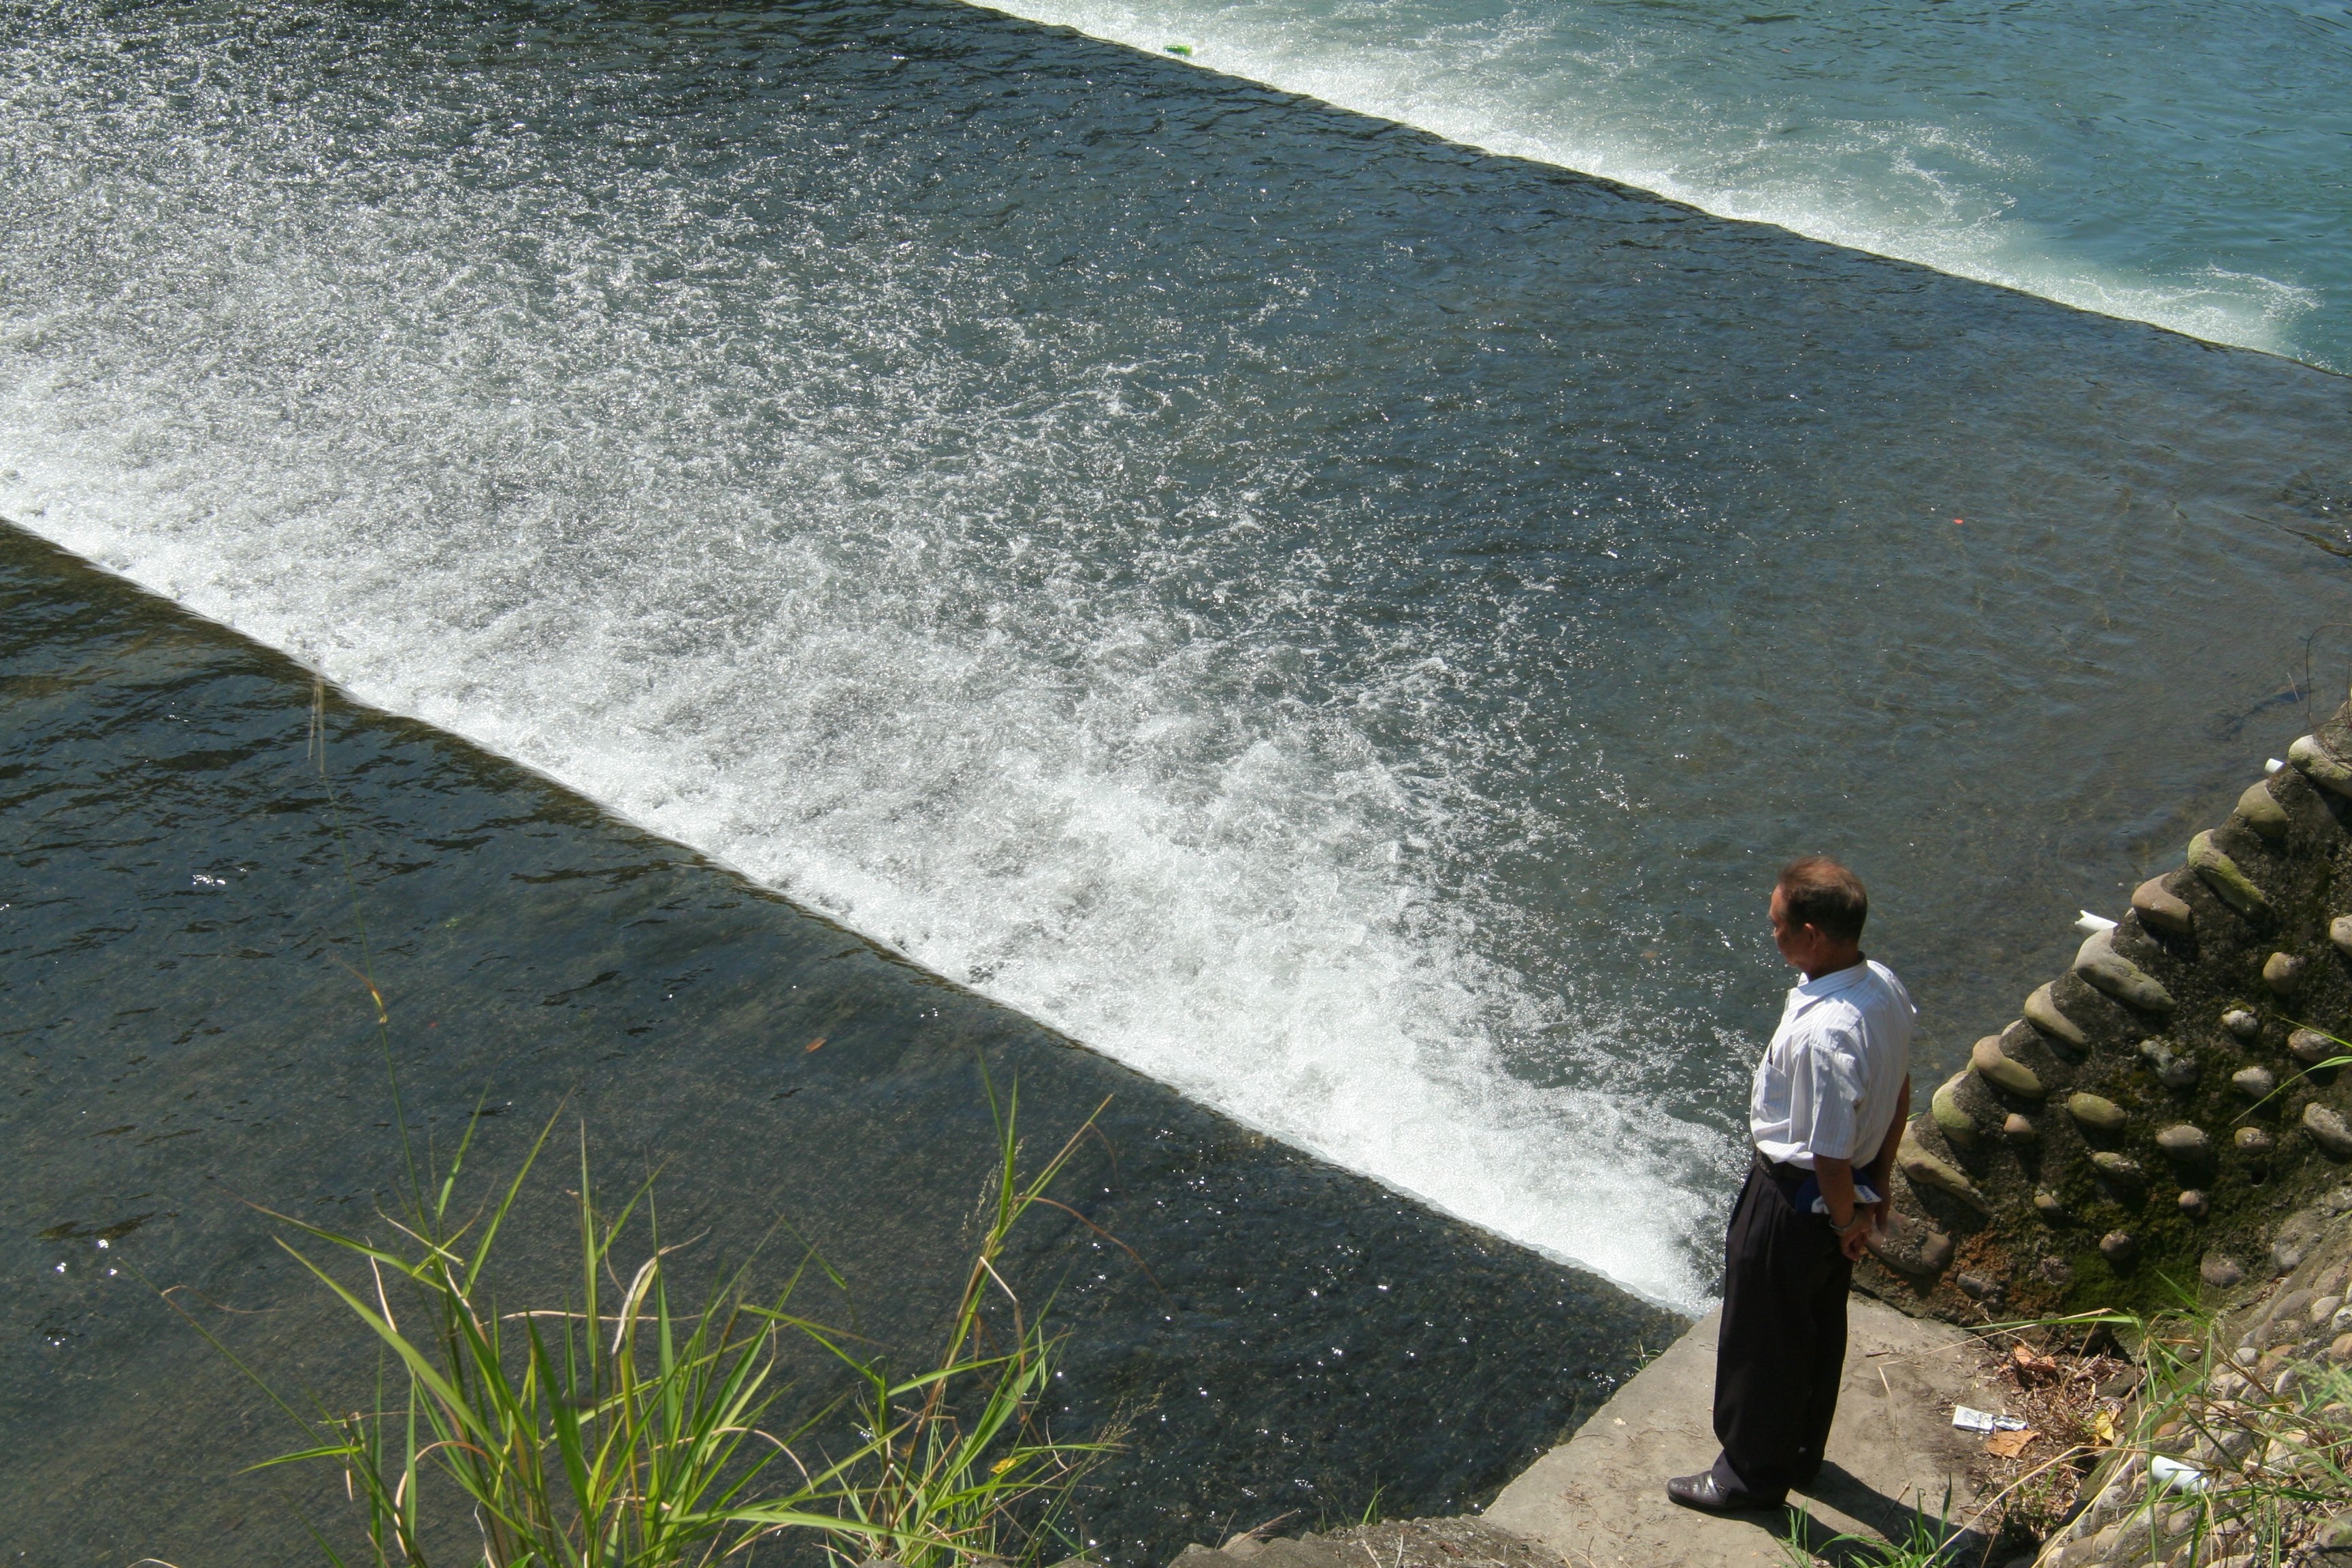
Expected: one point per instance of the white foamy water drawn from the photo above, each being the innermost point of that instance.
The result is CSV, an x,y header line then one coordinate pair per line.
x,y
1222,900
706,524
2181,165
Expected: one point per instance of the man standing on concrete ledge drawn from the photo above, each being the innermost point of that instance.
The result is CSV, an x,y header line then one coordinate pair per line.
x,y
1827,1111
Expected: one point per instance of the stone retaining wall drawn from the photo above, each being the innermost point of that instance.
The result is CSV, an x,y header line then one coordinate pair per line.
x,y
2263,1427
2145,1123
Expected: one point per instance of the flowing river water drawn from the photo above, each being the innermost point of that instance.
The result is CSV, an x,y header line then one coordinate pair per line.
x,y
1339,623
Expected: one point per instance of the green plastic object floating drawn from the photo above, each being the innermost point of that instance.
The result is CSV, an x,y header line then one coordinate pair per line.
x,y
1183,50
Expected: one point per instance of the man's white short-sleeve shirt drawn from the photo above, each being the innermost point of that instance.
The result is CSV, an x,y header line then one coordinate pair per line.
x,y
1830,1080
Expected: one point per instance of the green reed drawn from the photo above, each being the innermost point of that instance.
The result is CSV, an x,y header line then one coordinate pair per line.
x,y
620,1430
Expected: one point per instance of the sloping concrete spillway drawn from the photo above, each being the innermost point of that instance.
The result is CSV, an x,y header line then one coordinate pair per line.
x,y
187,1038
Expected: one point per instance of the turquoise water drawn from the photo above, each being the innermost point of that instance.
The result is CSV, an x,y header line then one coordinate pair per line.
x,y
2185,164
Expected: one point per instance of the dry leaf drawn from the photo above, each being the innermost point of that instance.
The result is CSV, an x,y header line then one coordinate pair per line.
x,y
2009,1445
814,1043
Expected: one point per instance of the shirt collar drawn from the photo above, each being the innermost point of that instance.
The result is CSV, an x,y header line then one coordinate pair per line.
x,y
1835,981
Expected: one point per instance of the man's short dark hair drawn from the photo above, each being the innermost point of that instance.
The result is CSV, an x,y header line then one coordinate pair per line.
x,y
1821,893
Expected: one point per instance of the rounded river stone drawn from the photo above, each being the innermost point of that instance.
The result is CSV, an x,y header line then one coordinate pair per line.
x,y
2183,1141
2120,1170
2097,961
2241,1022
2319,763
1950,1116
1926,1170
2310,1046
1997,1067
2096,1112
2042,1012
2339,931
2328,1130
2173,1069
2019,1129
1906,1245
2118,1246
2260,810
2195,1203
2254,1083
2281,970
2253,1139
2219,1271
2161,909
2222,873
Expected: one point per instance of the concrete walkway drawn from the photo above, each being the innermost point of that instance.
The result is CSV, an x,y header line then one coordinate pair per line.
x,y
1599,1499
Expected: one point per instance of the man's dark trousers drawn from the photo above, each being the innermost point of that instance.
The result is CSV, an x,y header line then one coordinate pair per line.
x,y
1781,1350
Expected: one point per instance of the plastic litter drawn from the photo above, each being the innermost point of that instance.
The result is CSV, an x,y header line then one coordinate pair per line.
x,y
2271,765
1968,1420
2173,1474
2090,924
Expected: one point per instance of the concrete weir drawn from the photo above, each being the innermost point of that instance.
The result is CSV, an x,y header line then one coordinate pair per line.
x,y
1896,1461
189,1046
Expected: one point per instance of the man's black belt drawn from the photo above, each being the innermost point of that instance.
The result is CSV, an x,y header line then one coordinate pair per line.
x,y
1797,1184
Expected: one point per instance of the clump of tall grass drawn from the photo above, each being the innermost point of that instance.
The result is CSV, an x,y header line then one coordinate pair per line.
x,y
619,1429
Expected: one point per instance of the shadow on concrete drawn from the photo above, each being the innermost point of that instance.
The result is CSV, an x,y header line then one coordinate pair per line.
x,y
1907,1526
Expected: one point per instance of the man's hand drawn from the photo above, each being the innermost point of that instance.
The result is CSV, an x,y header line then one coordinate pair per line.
x,y
1836,1180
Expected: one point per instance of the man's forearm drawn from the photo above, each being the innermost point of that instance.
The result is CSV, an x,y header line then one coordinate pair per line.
x,y
1836,1179
1882,1169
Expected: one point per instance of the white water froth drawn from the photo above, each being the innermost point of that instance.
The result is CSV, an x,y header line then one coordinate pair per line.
x,y
1249,931
1736,131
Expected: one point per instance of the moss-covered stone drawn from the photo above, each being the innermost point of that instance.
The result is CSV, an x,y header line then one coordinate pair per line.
x,y
2224,875
2185,1142
1951,1117
2120,1174
2096,1111
2322,763
2098,961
